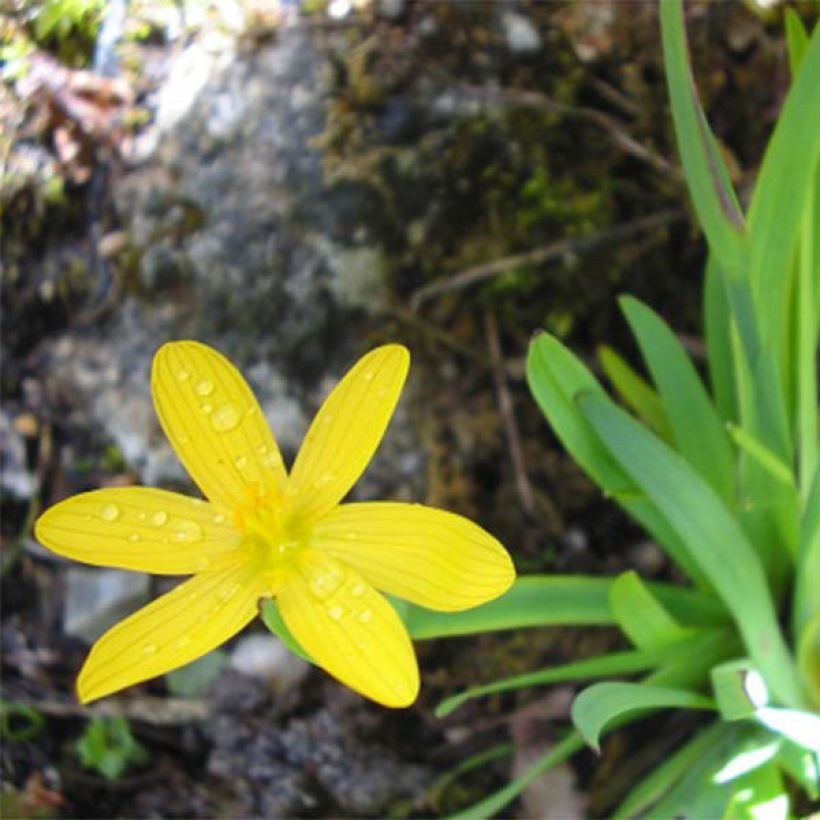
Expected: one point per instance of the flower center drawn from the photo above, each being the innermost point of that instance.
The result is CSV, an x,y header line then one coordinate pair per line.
x,y
273,535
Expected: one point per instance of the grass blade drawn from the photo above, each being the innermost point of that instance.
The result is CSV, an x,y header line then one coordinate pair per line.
x,y
697,429
641,616
595,708
718,333
706,175
555,377
605,666
634,391
709,532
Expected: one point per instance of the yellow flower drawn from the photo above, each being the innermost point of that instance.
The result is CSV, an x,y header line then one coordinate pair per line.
x,y
264,532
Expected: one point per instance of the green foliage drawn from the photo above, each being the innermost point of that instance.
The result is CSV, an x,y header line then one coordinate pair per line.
x,y
109,747
724,478
19,722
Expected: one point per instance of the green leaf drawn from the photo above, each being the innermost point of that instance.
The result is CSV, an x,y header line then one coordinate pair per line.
x,y
785,185
706,175
600,703
739,689
696,427
771,463
634,391
799,726
711,535
806,602
562,751
555,377
802,766
272,619
604,666
718,322
797,40
639,614
759,793
808,657
109,747
532,601
658,782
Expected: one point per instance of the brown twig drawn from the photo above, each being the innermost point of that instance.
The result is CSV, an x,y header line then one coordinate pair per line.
x,y
505,407
547,253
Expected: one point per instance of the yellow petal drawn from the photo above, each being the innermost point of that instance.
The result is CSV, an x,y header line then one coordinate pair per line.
x,y
430,557
141,529
347,430
175,629
215,424
349,629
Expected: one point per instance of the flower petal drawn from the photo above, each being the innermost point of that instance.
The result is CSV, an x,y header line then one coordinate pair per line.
x,y
215,424
430,557
349,629
177,628
141,529
347,430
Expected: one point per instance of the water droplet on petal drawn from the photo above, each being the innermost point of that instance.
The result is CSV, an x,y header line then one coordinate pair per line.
x,y
149,648
328,418
272,460
205,387
225,418
142,516
369,375
183,375
358,590
207,409
203,563
197,502
159,518
182,642
336,612
134,537
219,519
227,593
187,531
326,583
351,536
366,616
382,393
110,512
241,462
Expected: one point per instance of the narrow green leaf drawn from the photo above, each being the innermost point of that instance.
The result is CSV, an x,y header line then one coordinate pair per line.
x,y
667,773
752,750
555,377
600,703
802,766
563,750
761,792
797,40
771,463
532,601
785,184
272,619
739,689
706,175
806,599
711,535
639,614
717,319
808,657
634,391
475,761
604,666
696,427
798,726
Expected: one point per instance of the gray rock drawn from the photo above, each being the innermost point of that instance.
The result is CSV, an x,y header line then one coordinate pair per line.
x,y
266,658
95,599
521,35
16,479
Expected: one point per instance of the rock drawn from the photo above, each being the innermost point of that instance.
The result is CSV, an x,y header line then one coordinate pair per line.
x,y
16,478
520,33
96,599
273,766
266,658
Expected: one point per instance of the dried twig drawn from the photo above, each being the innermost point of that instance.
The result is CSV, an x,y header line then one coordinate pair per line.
x,y
547,253
505,406
155,711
